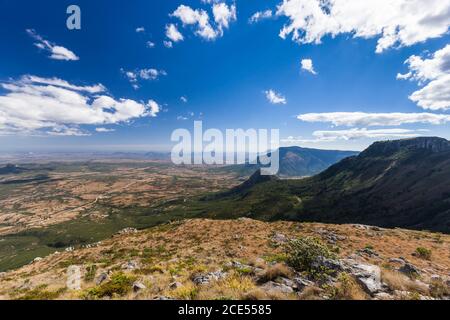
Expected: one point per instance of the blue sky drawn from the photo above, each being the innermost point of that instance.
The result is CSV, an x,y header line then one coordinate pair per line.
x,y
225,80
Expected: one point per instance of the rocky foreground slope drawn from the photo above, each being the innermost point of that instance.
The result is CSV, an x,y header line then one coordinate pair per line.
x,y
243,259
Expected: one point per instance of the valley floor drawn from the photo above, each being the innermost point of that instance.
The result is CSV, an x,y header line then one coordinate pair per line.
x,y
241,259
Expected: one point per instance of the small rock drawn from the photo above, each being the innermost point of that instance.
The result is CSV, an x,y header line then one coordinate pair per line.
x,y
273,287
37,259
138,286
279,238
175,285
409,269
202,279
302,283
397,260
70,249
383,296
101,278
130,265
163,298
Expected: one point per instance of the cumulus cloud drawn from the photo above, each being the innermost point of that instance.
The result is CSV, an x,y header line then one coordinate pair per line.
x,y
56,52
154,108
183,99
199,19
173,34
397,23
307,65
274,97
34,105
150,44
140,29
350,119
142,74
224,14
434,73
260,15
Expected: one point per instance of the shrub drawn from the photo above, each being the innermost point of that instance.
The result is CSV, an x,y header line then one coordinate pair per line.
x,y
423,253
91,270
438,289
120,284
305,254
346,289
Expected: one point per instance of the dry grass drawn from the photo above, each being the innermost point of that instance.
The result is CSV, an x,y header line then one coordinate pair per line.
x,y
312,293
348,289
202,246
400,282
275,271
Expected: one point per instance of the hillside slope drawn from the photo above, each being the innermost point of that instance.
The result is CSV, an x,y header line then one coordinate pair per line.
x,y
403,183
238,259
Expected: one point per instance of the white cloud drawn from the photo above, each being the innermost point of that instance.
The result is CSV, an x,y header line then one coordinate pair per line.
x,y
154,108
356,133
374,119
104,130
183,99
34,105
224,14
140,29
173,34
150,44
260,15
168,44
274,97
199,18
143,74
435,73
307,65
397,22
56,52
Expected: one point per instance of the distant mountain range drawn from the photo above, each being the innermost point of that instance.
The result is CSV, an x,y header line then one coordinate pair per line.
x,y
404,183
299,162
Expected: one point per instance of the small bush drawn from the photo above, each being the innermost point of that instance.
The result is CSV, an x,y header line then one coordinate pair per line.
x,y
40,293
438,289
91,270
346,289
120,284
305,253
423,253
187,292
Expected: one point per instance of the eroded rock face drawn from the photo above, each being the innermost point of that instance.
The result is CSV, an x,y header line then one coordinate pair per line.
x,y
206,278
274,287
368,276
